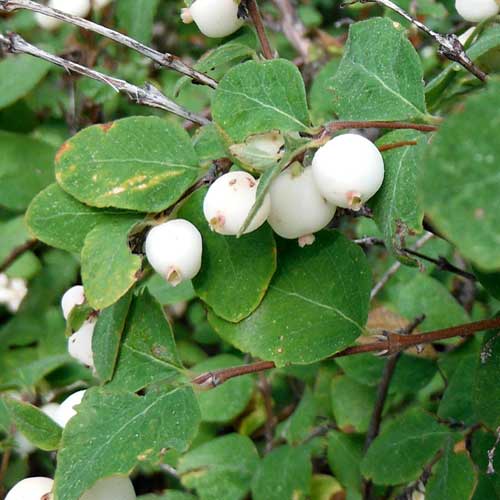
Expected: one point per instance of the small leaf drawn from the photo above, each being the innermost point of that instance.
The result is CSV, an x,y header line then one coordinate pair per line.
x,y
235,272
345,452
138,163
220,469
283,474
403,448
380,76
256,97
109,268
136,17
37,427
299,425
148,353
113,432
328,282
107,336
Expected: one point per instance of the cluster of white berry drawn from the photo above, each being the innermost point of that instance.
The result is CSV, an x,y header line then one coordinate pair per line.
x,y
214,18
476,11
79,8
36,488
12,292
80,342
345,172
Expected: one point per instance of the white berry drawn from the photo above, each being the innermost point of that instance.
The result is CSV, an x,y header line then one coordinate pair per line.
x,y
229,201
80,343
75,296
32,488
174,250
80,8
297,207
51,409
115,487
214,18
67,410
477,10
348,170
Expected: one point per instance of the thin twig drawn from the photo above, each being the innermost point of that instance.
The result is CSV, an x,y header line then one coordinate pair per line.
x,y
293,27
491,454
16,253
396,145
170,470
395,267
163,59
391,343
449,44
147,95
270,423
333,127
369,241
254,13
442,263
382,392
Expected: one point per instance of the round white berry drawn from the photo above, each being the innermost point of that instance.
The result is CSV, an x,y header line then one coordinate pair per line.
x,y
297,207
51,409
229,201
80,8
23,445
32,488
477,10
174,250
348,170
115,487
66,410
75,296
80,344
214,18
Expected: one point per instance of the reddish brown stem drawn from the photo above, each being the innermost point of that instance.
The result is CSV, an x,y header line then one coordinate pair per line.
x,y
216,378
395,145
254,12
16,253
343,125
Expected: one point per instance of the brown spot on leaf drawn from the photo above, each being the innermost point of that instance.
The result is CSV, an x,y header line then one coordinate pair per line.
x,y
106,127
63,150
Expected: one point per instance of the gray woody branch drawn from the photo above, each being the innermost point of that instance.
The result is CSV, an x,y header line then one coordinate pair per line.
x,y
163,59
449,44
147,95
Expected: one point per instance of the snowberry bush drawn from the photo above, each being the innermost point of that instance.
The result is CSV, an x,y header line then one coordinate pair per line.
x,y
249,250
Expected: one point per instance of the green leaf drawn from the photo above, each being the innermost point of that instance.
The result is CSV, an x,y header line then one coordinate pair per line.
x,y
380,76
425,295
109,269
460,182
345,452
486,389
404,447
37,427
139,163
148,353
321,97
168,495
107,337
235,272
490,281
208,144
328,282
22,176
489,484
283,474
220,469
19,74
453,478
352,404
396,208
299,425
224,403
256,97
113,432
136,17
58,219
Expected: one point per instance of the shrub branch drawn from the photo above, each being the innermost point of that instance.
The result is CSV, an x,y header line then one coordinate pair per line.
x,y
147,95
163,59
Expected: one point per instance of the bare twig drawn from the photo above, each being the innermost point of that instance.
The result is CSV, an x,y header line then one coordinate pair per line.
x,y
392,343
16,253
382,392
395,267
442,263
293,27
369,241
396,145
491,454
147,95
333,127
449,44
163,59
254,13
